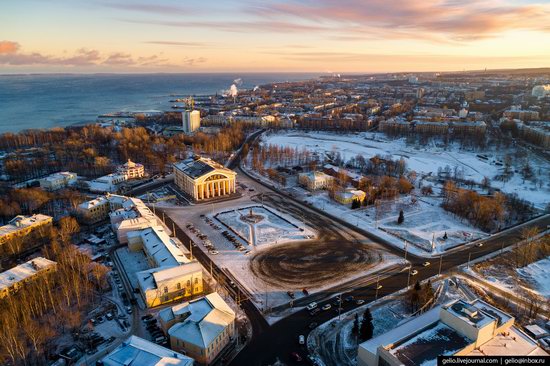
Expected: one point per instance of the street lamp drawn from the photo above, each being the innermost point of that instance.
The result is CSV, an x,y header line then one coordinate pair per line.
x,y
406,248
377,286
440,263
409,276
469,257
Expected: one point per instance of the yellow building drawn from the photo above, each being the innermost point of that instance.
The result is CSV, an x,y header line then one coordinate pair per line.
x,y
204,179
11,280
172,276
201,328
347,196
131,170
21,226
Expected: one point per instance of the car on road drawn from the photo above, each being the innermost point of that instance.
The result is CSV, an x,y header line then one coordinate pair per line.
x,y
301,339
337,301
360,302
214,252
425,264
378,287
479,245
414,272
296,357
312,325
326,307
311,306
314,311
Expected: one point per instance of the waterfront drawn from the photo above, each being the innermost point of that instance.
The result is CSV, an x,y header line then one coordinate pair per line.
x,y
52,100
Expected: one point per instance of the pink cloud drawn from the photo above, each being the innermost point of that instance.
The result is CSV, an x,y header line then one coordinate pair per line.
x,y
460,20
10,55
8,47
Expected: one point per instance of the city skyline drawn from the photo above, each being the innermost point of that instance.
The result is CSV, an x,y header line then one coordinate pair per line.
x,y
274,36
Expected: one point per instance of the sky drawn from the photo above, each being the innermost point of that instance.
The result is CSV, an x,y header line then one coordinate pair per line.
x,y
332,36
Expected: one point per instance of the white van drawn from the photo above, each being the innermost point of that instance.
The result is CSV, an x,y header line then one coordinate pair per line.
x,y
311,306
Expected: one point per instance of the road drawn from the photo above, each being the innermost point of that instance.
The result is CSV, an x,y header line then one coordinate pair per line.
x,y
275,343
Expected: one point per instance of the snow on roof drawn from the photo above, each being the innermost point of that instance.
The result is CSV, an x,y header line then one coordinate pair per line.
x,y
149,278
24,271
93,203
492,311
162,248
428,318
138,351
426,346
20,221
469,313
510,343
196,168
208,318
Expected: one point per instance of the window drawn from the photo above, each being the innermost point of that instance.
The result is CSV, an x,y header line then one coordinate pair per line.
x,y
165,289
178,286
196,281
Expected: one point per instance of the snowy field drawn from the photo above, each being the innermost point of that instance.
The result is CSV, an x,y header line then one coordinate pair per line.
x,y
272,227
538,274
423,230
426,159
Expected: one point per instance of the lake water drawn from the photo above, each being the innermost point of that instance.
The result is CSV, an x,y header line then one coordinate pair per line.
x,y
45,101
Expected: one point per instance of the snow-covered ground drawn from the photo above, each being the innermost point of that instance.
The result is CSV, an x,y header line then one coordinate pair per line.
x,y
426,159
538,274
272,227
424,227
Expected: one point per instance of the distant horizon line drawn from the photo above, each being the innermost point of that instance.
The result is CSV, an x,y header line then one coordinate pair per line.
x,y
269,72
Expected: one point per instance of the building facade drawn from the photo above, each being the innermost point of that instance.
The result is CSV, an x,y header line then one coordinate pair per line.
x,y
191,121
131,170
347,196
22,226
315,180
172,276
11,280
204,179
57,181
200,328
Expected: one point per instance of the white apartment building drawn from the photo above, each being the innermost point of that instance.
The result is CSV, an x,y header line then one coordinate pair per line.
x,y
58,180
191,120
108,183
201,328
14,278
21,226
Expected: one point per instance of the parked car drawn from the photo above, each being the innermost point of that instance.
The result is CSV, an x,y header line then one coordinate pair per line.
x,y
326,307
109,316
311,306
360,302
290,294
301,339
425,264
129,309
414,272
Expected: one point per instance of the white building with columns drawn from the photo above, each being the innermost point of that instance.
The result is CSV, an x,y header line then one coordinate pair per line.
x,y
204,179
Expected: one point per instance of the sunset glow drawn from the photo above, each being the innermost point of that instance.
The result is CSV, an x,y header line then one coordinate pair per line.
x,y
273,35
